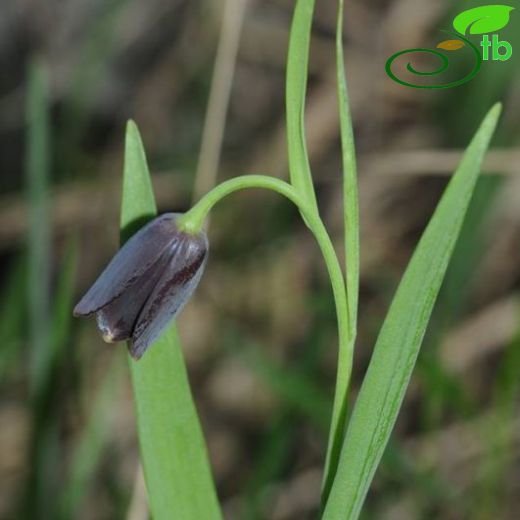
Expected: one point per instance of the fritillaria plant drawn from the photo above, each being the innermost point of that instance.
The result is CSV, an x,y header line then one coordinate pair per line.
x,y
154,274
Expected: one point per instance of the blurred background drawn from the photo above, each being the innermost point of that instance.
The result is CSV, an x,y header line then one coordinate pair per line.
x,y
204,80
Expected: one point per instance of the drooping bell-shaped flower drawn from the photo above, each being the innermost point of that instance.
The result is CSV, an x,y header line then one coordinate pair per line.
x,y
146,284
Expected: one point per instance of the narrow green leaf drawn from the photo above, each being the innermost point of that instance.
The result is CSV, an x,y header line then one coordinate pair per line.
x,y
39,234
400,338
176,468
351,218
138,201
350,188
295,89
39,484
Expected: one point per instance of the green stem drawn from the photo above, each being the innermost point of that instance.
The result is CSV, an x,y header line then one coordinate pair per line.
x,y
345,350
192,222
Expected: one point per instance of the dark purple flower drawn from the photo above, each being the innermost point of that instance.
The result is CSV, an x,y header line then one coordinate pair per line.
x,y
146,284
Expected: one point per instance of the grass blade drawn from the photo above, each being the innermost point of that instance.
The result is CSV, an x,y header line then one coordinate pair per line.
x,y
176,468
351,219
350,189
39,233
39,486
400,338
295,89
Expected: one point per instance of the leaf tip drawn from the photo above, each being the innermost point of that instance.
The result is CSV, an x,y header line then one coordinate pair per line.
x,y
133,140
494,113
131,125
497,107
132,131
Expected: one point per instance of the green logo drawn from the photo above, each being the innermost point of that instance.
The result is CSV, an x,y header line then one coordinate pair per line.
x,y
477,21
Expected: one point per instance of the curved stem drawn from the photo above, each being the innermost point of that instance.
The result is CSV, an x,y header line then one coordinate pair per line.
x,y
346,343
192,222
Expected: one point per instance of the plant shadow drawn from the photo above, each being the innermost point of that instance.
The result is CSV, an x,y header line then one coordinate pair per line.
x,y
135,225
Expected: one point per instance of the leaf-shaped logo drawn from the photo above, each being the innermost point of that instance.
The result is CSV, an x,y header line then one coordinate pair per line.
x,y
450,45
482,20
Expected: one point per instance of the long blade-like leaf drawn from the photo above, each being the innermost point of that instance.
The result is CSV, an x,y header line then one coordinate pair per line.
x,y
400,338
351,218
39,235
176,468
296,87
43,433
350,189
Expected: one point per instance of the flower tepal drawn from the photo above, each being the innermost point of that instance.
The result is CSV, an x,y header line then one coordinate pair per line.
x,y
146,284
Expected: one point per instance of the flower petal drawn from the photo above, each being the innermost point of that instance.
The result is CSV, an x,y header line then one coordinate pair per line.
x,y
116,320
172,291
134,259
